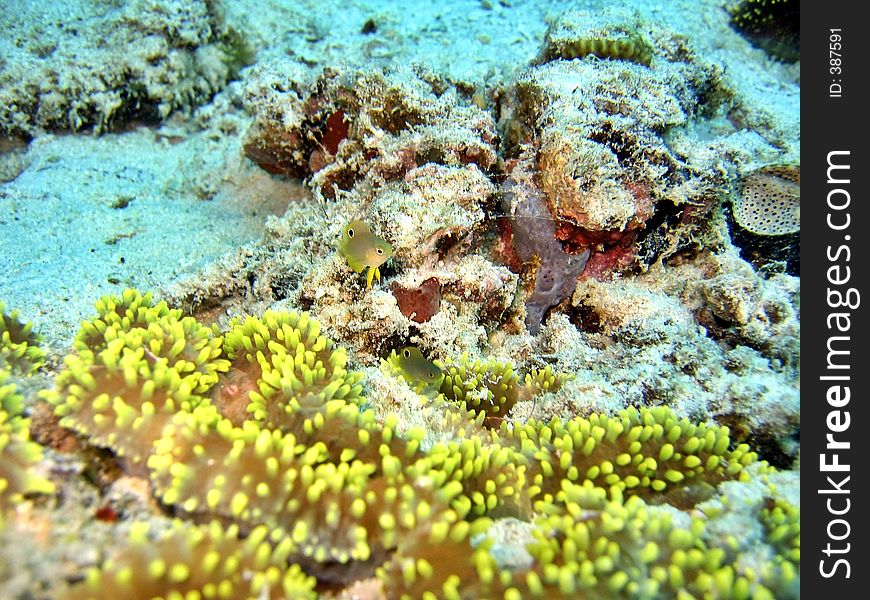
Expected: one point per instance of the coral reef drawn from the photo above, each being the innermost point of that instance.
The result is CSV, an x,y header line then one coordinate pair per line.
x,y
594,134
311,482
566,382
410,159
363,126
708,338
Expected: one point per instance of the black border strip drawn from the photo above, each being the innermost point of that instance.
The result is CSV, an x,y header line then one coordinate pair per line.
x,y
834,241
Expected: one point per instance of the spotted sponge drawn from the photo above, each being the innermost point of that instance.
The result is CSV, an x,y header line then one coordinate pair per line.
x,y
768,201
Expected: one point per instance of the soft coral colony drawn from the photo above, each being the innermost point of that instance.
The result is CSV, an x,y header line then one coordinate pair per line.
x,y
284,484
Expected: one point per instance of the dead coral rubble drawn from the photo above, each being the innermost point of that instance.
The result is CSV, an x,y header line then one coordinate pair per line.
x,y
597,133
112,66
363,126
403,152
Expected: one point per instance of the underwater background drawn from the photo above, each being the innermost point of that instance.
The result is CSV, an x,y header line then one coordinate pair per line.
x,y
385,299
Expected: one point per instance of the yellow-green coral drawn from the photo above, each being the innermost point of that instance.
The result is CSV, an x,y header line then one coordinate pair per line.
x,y
131,310
597,543
492,476
19,348
438,560
299,382
251,341
750,13
137,365
118,399
207,561
335,487
17,453
782,525
490,387
542,381
646,452
338,508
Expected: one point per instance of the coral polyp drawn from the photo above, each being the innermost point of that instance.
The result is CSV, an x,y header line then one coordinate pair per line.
x,y
488,387
136,365
19,346
207,561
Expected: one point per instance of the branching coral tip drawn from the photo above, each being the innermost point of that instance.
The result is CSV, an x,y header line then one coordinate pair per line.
x,y
362,248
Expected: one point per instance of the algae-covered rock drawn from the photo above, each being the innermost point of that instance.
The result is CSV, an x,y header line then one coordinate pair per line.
x,y
103,65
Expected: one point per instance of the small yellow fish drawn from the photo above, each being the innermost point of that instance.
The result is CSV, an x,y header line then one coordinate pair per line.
x,y
362,248
417,370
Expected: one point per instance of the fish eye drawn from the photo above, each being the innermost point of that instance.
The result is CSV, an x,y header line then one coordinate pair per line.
x,y
350,232
407,353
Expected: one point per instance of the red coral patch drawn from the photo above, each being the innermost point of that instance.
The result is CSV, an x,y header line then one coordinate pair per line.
x,y
418,304
336,131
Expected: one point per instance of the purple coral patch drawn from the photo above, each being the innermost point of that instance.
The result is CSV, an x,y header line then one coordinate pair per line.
x,y
534,234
